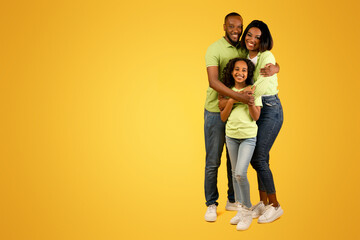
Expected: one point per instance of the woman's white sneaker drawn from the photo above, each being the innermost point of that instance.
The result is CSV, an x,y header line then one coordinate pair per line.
x,y
258,209
271,214
211,214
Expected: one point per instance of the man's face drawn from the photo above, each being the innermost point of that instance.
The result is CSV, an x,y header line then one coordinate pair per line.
x,y
233,29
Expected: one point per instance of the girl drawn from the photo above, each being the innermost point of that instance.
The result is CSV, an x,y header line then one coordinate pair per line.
x,y
241,132
257,41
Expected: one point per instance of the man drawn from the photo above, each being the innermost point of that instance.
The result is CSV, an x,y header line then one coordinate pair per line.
x,y
217,56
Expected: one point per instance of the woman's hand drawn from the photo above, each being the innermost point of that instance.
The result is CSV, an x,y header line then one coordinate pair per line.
x,y
269,70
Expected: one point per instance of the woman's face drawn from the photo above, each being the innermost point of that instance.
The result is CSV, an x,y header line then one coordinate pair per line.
x,y
240,72
252,39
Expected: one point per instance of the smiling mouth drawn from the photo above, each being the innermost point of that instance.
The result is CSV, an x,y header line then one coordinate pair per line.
x,y
251,44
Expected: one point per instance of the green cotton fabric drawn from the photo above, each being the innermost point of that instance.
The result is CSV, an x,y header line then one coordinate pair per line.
x,y
240,125
218,54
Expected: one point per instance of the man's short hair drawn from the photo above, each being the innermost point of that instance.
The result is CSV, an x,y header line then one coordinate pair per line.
x,y
230,15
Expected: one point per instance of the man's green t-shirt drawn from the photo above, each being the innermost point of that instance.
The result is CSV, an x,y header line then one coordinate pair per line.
x,y
218,54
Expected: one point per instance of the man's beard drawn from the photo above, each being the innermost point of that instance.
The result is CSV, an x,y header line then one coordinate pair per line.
x,y
232,42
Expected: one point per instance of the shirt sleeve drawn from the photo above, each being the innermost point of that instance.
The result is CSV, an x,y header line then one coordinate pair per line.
x,y
212,57
262,83
258,101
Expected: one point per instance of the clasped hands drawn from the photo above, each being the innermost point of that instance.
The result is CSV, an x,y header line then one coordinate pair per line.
x,y
246,96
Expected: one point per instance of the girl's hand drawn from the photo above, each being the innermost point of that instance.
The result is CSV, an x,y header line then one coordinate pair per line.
x,y
250,89
251,102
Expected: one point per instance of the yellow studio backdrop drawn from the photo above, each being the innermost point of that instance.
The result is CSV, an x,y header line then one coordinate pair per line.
x,y
102,107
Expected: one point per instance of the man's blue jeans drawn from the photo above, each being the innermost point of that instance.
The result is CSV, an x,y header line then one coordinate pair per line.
x,y
241,151
214,130
269,125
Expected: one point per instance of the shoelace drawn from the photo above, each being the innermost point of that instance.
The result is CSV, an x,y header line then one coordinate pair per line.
x,y
212,207
267,207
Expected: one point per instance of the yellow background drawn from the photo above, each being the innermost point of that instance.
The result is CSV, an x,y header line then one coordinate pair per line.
x,y
102,119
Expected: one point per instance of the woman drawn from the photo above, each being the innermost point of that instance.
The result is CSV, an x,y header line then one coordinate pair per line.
x,y
257,41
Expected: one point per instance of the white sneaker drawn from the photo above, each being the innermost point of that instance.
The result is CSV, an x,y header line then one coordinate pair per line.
x,y
245,219
210,214
235,206
258,209
271,214
236,219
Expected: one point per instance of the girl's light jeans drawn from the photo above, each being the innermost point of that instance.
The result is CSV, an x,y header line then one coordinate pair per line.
x,y
241,151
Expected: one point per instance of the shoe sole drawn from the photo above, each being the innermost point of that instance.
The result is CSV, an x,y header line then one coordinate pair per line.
x,y
210,220
242,229
271,220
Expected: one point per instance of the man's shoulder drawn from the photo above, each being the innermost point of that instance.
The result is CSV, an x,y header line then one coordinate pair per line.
x,y
217,44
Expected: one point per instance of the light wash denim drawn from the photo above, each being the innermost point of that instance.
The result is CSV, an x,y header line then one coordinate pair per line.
x,y
269,125
241,151
214,130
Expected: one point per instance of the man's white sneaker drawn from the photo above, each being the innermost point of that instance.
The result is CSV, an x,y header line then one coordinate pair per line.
x,y
235,206
245,219
211,214
271,214
258,209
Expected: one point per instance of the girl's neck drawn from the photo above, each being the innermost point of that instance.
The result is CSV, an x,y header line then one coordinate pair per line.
x,y
239,86
253,54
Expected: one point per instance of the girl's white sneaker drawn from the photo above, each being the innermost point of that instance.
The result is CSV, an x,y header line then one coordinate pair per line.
x,y
258,209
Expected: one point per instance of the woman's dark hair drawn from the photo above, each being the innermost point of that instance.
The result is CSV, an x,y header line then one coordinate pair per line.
x,y
227,77
266,41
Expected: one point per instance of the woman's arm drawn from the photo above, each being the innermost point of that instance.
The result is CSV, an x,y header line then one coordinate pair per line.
x,y
262,83
225,113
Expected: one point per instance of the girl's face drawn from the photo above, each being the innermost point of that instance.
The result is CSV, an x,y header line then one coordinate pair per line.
x,y
252,39
240,72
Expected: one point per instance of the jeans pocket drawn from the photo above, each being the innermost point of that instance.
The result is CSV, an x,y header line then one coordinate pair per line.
x,y
270,103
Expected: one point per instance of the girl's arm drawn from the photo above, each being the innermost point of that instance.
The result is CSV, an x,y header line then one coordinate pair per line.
x,y
254,112
225,113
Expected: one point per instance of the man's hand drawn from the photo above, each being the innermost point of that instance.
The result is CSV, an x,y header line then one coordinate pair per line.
x,y
269,70
245,96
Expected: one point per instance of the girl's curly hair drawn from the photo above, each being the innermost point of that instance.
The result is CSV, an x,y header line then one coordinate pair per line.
x,y
227,77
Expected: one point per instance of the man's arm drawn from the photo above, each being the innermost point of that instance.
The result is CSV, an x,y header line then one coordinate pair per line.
x,y
269,70
217,85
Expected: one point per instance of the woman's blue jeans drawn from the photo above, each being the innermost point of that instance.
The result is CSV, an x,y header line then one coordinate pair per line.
x,y
214,130
269,125
241,151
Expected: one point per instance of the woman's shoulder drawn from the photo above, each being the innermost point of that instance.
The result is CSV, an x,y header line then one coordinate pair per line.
x,y
267,55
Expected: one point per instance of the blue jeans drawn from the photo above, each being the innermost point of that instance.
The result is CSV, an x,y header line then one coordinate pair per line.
x,y
214,130
269,125
241,151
